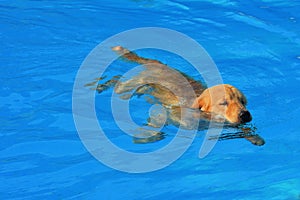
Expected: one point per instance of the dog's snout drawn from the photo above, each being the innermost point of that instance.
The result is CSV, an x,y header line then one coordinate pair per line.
x,y
245,116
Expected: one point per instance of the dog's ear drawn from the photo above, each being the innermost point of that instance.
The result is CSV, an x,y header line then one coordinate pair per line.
x,y
202,102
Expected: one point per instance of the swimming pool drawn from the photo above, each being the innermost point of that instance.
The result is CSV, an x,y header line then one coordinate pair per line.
x,y
255,45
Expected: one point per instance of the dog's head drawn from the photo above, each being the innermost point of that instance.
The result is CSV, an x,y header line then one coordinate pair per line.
x,y
224,100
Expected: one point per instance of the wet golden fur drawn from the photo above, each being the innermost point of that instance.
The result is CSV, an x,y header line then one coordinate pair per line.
x,y
175,89
184,99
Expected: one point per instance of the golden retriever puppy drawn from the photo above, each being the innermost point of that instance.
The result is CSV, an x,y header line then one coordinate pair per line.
x,y
173,88
184,99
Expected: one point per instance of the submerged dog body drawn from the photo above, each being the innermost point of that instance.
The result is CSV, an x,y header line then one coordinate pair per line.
x,y
186,101
175,89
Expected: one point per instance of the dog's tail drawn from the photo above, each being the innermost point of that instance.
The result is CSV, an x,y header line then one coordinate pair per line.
x,y
129,55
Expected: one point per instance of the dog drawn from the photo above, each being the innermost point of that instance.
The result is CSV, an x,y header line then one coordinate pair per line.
x,y
182,95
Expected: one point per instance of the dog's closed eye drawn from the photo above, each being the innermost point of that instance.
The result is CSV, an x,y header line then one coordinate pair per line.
x,y
223,103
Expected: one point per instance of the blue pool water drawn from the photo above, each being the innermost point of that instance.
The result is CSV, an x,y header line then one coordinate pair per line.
x,y
255,44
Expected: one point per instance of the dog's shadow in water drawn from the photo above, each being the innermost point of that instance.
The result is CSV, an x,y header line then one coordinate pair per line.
x,y
149,136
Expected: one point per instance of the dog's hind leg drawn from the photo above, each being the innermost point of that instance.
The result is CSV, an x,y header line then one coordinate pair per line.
x,y
110,83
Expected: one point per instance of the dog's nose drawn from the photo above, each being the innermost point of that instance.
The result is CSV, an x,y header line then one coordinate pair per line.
x,y
245,116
